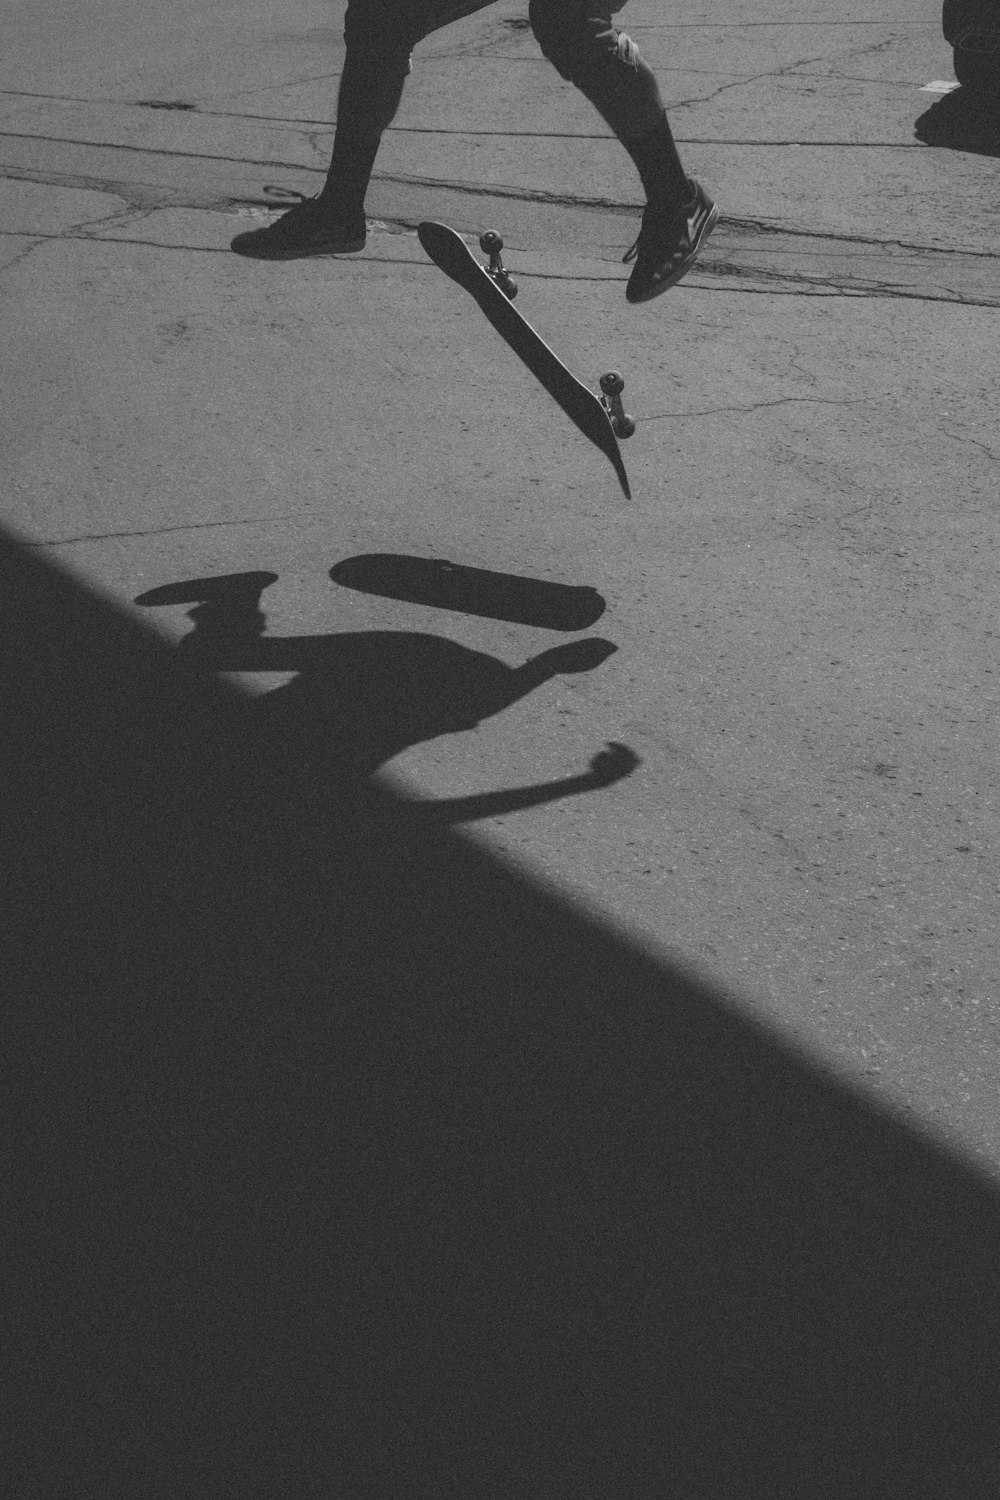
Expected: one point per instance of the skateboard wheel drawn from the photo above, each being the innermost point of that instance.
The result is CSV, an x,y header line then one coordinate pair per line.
x,y
612,385
491,244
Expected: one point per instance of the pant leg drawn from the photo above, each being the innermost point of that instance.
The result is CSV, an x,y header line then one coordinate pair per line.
x,y
577,36
379,37
581,41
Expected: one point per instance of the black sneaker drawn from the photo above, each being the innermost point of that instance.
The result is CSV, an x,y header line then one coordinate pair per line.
x,y
668,244
314,226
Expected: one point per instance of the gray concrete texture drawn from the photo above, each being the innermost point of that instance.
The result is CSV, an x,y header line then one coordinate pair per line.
x,y
802,591
801,594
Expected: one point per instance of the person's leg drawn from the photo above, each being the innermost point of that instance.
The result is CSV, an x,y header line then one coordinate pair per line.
x,y
379,37
371,87
579,38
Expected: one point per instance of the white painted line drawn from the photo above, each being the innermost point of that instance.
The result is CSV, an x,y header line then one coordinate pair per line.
x,y
939,86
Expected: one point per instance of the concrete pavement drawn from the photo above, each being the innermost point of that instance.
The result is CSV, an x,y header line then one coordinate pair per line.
x,y
802,592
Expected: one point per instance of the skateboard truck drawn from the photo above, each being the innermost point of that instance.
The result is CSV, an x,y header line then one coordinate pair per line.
x,y
612,385
491,244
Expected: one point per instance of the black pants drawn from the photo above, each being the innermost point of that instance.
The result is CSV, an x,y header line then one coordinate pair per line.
x,y
577,36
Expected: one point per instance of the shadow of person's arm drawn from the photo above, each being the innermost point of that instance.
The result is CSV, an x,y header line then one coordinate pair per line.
x,y
607,767
572,656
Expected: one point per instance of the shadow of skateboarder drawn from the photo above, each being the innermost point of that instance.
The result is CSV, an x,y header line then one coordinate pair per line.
x,y
361,698
350,1160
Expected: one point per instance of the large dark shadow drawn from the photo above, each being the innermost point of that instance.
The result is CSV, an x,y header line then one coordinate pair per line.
x,y
962,121
348,1162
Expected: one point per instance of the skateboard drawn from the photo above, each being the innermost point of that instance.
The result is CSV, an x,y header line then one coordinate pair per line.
x,y
602,420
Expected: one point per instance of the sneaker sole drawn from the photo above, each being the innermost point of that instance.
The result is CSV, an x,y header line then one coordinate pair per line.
x,y
711,220
296,252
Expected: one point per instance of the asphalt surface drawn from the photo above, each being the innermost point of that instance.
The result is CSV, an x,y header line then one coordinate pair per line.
x,y
668,1019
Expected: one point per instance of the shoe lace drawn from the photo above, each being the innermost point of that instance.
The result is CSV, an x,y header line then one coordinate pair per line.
x,y
633,250
656,222
284,195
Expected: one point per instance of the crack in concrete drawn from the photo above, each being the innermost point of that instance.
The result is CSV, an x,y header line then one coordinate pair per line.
x,y
55,98
132,213
768,226
318,144
721,263
826,286
739,83
818,289
799,145
37,241
241,161
714,411
272,88
189,107
129,214
776,283
329,124
108,536
961,437
749,226
507,191
795,70
665,26
906,84
136,194
871,49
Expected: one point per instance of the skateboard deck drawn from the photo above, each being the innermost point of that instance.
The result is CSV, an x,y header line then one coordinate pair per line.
x,y
452,255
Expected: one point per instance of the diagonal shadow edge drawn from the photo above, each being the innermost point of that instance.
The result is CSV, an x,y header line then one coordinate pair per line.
x,y
348,1160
